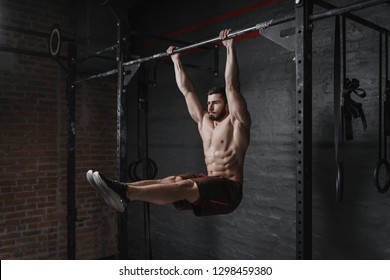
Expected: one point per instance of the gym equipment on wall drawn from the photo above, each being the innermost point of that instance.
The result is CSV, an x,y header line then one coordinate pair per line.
x,y
345,108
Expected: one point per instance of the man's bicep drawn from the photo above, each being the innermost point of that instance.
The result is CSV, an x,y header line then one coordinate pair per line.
x,y
238,107
243,118
241,134
194,106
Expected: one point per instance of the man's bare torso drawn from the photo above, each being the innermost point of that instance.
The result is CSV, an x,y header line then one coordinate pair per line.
x,y
224,146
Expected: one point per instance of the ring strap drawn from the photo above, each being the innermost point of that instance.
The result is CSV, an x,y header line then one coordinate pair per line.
x,y
382,159
338,120
386,108
352,109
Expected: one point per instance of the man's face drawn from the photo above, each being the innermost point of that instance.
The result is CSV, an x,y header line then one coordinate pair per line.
x,y
216,107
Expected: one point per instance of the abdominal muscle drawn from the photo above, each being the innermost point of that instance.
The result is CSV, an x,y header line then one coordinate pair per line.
x,y
223,155
223,162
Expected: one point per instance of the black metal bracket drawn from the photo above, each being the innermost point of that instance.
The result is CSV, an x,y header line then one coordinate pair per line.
x,y
282,34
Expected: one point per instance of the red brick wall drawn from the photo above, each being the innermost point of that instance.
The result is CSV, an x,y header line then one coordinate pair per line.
x,y
33,156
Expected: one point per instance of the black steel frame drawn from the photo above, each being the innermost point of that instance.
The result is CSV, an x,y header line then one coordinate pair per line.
x,y
143,147
304,22
304,25
71,150
121,136
303,64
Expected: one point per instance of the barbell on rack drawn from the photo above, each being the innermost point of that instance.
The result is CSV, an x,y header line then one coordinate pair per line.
x,y
257,27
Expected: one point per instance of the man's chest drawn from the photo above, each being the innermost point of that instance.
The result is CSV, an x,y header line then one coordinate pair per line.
x,y
218,136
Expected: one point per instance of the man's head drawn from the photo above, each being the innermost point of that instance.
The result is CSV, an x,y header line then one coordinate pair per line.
x,y
217,106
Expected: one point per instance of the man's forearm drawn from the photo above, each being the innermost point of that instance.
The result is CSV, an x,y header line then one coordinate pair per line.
x,y
231,68
183,81
187,89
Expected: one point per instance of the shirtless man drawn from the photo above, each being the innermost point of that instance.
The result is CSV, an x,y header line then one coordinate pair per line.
x,y
224,129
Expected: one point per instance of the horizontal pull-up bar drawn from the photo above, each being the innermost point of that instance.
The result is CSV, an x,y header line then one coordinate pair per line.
x,y
96,76
259,26
347,9
98,54
355,18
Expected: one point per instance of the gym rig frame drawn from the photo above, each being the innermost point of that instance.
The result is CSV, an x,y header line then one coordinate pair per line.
x,y
304,19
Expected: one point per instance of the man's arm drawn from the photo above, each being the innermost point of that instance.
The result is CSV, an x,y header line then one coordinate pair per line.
x,y
237,105
187,88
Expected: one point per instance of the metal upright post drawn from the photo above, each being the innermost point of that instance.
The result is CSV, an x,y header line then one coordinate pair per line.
x,y
303,60
143,147
122,246
71,144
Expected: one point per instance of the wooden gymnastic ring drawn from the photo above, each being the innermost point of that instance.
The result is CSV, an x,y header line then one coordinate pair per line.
x,y
55,41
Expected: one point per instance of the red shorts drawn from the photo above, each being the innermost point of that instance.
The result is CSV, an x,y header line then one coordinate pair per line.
x,y
218,195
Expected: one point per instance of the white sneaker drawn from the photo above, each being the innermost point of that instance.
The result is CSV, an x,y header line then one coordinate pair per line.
x,y
115,201
106,195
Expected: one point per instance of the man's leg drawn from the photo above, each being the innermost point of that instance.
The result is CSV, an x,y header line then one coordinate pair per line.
x,y
163,191
170,179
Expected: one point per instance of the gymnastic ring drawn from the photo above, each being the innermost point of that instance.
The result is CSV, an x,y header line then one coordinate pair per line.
x,y
132,170
385,187
151,172
55,40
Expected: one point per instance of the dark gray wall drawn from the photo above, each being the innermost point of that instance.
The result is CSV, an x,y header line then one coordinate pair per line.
x,y
263,227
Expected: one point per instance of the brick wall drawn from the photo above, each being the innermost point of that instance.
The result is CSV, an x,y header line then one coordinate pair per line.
x,y
33,139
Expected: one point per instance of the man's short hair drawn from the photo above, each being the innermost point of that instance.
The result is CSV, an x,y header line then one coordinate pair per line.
x,y
219,90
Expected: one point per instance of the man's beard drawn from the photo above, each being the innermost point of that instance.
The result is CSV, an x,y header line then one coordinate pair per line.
x,y
218,117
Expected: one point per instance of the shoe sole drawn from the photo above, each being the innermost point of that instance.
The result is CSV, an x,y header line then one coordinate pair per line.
x,y
106,195
116,201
